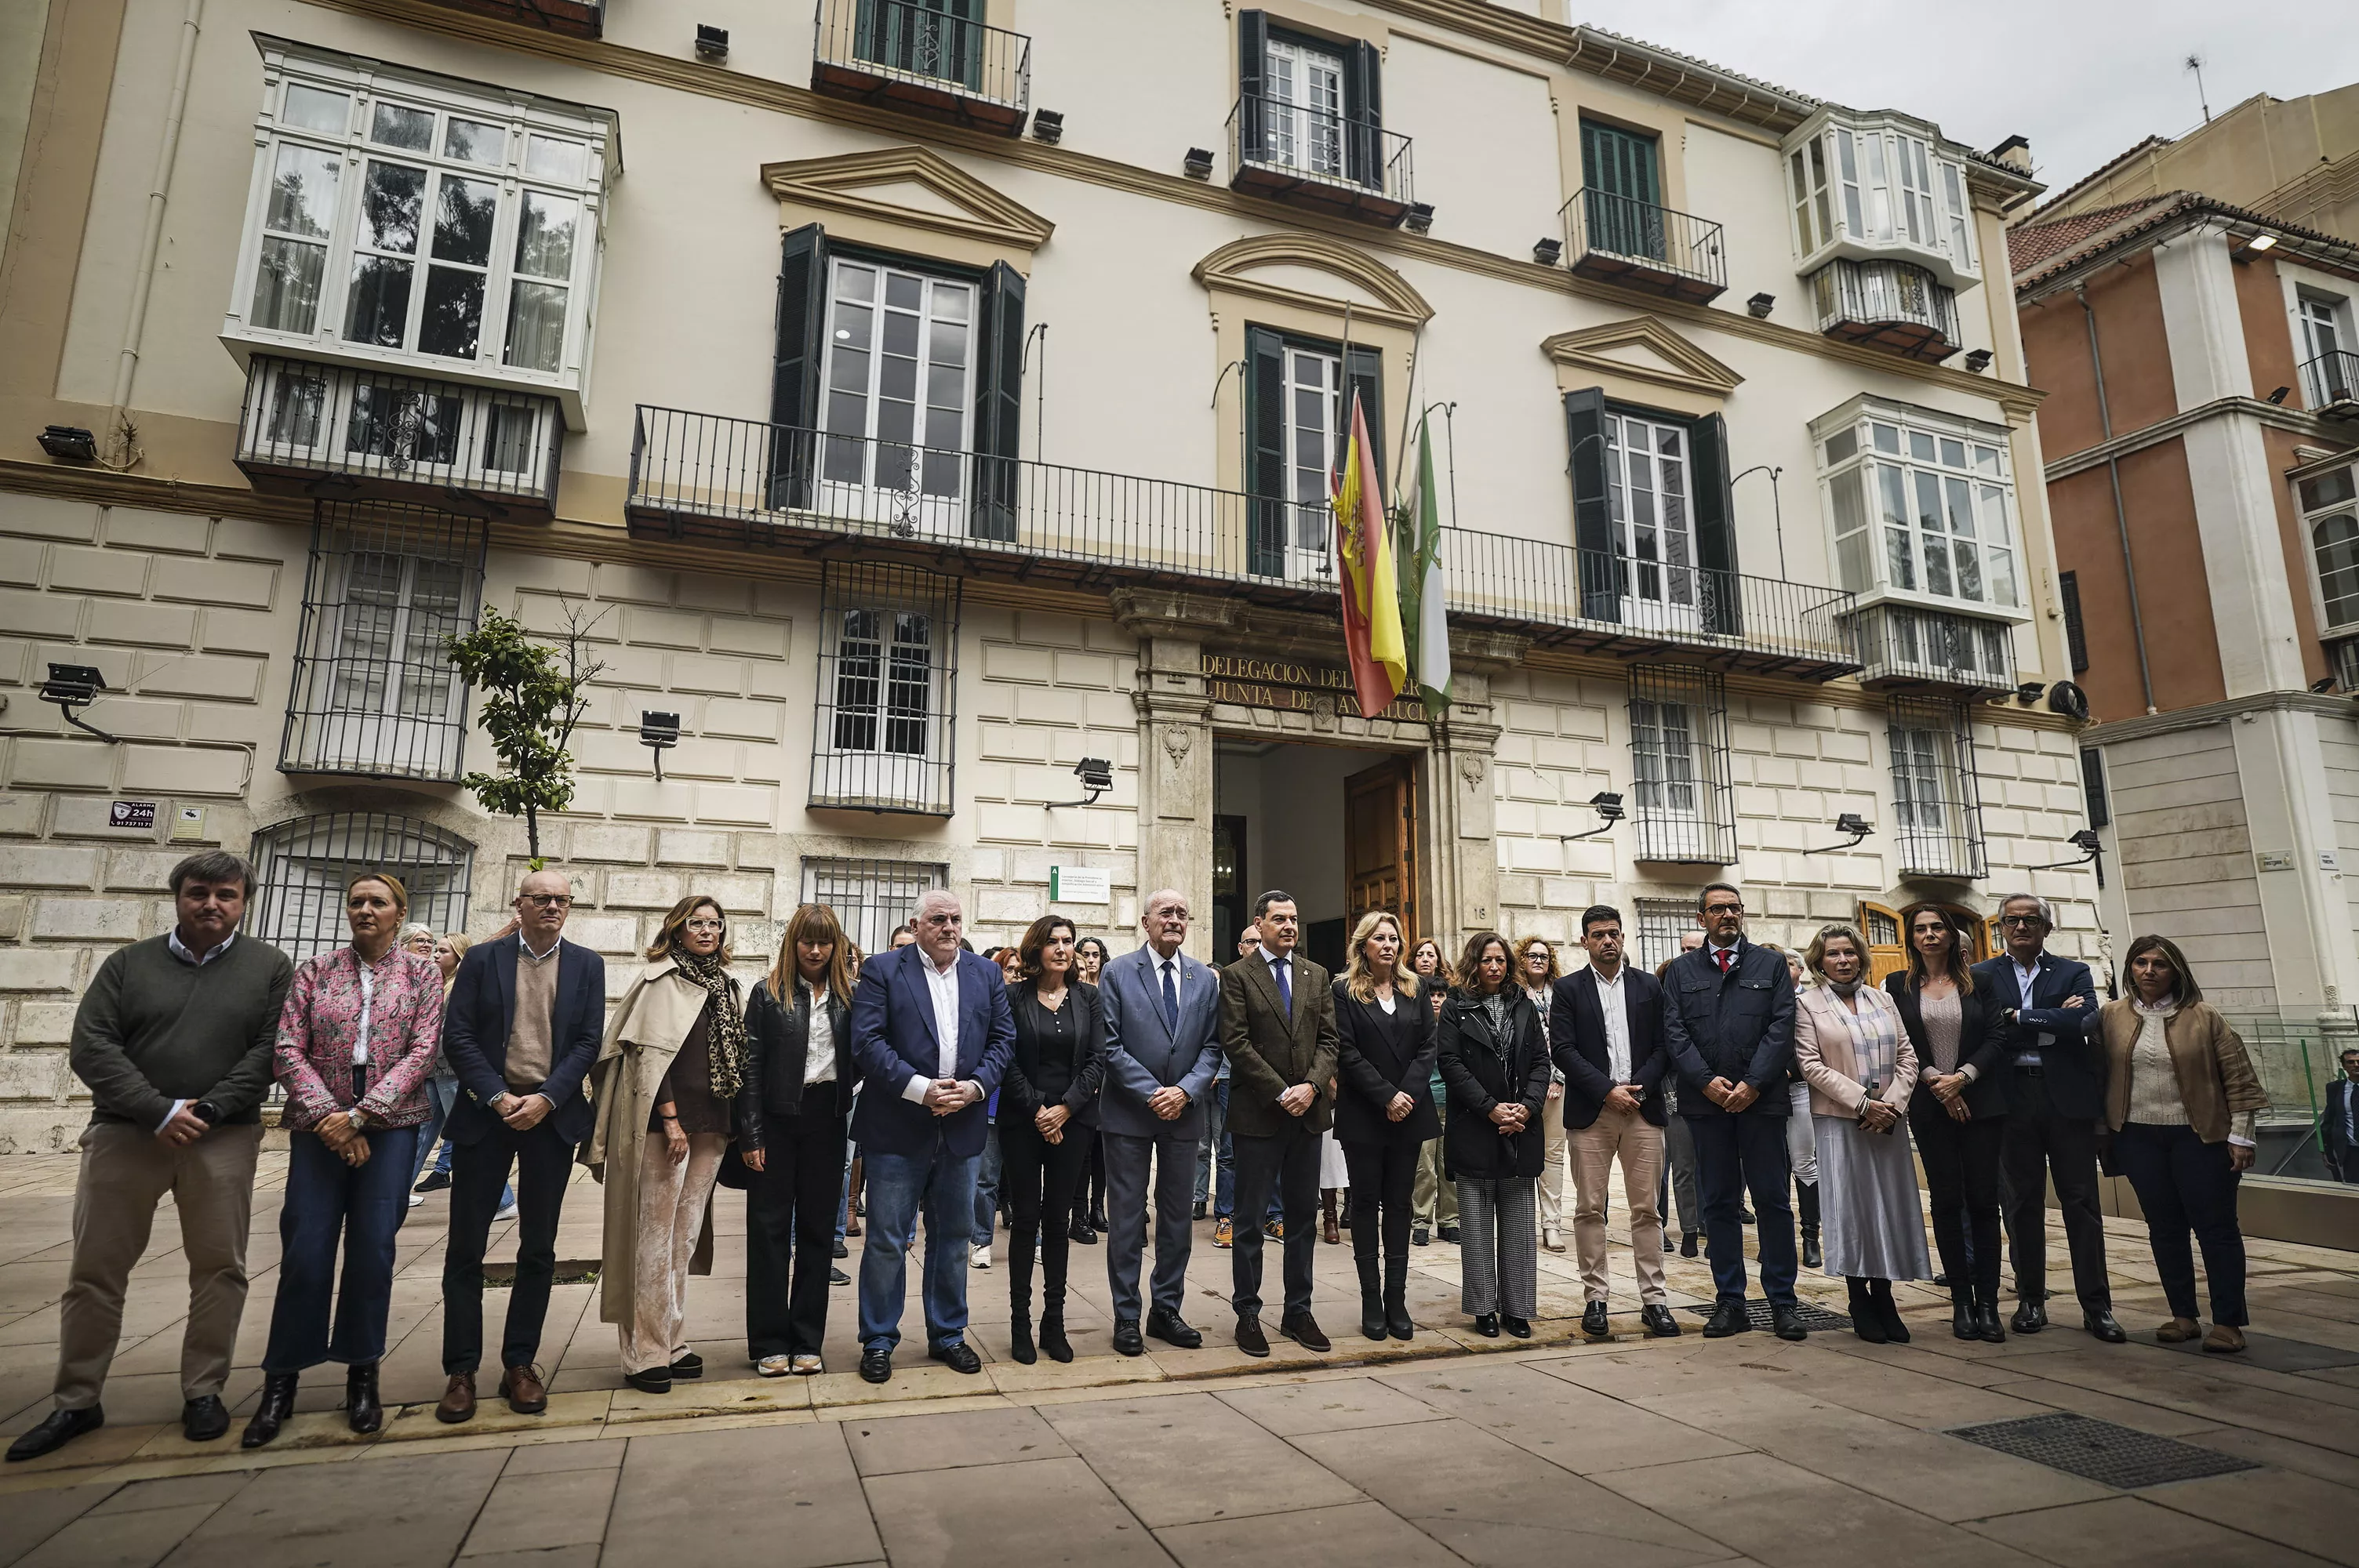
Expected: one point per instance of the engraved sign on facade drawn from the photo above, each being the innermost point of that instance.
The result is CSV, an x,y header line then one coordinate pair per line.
x,y
1291,685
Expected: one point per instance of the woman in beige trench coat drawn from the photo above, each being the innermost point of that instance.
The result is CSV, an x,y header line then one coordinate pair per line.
x,y
673,1059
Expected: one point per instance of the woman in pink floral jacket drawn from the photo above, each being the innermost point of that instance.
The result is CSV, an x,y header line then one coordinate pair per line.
x,y
357,1042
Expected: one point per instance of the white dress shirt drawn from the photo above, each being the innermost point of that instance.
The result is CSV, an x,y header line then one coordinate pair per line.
x,y
2026,978
942,986
818,1049
1385,999
1617,1023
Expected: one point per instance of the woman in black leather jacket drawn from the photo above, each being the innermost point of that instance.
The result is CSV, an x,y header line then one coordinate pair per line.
x,y
792,1117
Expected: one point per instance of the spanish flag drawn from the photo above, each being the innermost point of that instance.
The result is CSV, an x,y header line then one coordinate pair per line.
x,y
1374,644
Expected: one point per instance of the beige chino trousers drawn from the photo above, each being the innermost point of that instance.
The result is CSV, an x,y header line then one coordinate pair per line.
x,y
1629,1137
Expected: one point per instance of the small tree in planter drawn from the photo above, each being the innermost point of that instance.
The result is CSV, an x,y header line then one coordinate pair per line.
x,y
534,693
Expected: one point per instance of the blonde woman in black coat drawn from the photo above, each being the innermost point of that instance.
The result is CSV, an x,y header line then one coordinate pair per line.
x,y
1496,1066
1383,1111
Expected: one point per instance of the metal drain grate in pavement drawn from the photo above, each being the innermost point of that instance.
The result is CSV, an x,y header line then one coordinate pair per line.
x,y
2099,1451
1757,1314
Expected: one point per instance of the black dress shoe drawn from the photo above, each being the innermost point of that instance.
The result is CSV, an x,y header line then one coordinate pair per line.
x,y
434,1183
1516,1327
1659,1322
1419,1236
1487,1324
689,1365
1203,1210
1449,1234
1303,1329
1986,1329
1961,1321
1173,1329
1788,1322
57,1429
1812,1257
654,1381
1745,1217
1727,1317
1688,1244
2101,1325
1592,1321
959,1357
841,1251
363,1412
1127,1340
1250,1339
204,1420
2031,1317
877,1364
1079,1231
1942,1282
838,1277
276,1404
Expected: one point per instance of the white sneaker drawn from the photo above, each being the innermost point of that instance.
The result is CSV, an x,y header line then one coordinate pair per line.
x,y
507,1213
978,1257
417,1198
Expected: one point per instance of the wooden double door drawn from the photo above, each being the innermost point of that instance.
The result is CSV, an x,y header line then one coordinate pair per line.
x,y
1887,943
1380,861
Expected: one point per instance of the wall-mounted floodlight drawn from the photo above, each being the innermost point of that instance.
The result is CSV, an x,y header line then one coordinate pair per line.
x,y
658,732
1609,812
1850,822
1097,777
72,686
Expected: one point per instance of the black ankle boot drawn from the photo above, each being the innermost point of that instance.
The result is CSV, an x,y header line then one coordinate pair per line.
x,y
1019,1337
1962,1314
1806,1195
278,1404
1866,1319
1397,1318
363,1411
1888,1311
1052,1334
1372,1301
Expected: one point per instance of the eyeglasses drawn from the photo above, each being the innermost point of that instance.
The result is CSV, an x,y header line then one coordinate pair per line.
x,y
547,900
704,926
1724,909
2021,921
943,920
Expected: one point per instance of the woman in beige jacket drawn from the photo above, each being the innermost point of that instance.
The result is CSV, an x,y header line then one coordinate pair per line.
x,y
1860,1067
2181,1098
673,1059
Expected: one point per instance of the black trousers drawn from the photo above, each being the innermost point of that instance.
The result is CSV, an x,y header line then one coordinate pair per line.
x,y
1962,1164
790,1210
1287,1162
543,1162
1384,1186
1040,1181
2186,1184
2037,1145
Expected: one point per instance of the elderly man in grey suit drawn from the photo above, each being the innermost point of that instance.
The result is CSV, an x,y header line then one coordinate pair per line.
x,y
1161,1010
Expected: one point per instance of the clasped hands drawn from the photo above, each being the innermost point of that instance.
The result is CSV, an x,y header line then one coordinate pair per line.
x,y
1730,1097
337,1132
1510,1117
1297,1099
1879,1116
1051,1119
947,1097
521,1112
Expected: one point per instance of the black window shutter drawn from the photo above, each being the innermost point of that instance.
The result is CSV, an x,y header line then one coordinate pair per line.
x,y
2092,779
1363,114
2076,639
998,404
1265,449
795,363
1593,520
1365,376
1253,84
1714,508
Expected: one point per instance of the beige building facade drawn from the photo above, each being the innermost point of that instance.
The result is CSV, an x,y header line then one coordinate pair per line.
x,y
915,401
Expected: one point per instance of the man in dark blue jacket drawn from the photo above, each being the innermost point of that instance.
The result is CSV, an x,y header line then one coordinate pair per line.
x,y
2043,1014
932,1034
1728,1019
521,1029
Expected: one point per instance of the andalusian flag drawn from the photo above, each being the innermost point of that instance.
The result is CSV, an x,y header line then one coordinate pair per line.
x,y
1425,593
1373,644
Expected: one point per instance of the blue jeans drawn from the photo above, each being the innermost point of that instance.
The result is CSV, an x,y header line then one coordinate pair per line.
x,y
986,1185
941,1184
440,1096
844,1206
1215,1159
329,1201
1737,1155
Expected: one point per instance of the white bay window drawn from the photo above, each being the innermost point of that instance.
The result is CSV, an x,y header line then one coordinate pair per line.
x,y
1862,186
1921,506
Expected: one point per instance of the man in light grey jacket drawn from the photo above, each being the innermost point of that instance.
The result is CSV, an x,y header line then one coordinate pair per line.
x,y
1161,1009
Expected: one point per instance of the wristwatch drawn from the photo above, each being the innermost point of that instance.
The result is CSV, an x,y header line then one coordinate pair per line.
x,y
357,1119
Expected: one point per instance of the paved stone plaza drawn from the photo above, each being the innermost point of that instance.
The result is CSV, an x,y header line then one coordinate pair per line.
x,y
1451,1447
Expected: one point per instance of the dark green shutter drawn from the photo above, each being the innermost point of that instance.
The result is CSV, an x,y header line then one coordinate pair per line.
x,y
2076,636
1266,477
1593,516
1623,199
998,404
1713,507
1365,376
795,364
1253,84
1364,114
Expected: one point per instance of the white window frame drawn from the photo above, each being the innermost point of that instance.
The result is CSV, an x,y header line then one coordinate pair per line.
x,y
2328,496
541,136
2324,325
1660,580
1867,440
1303,76
1879,185
1668,777
877,885
1937,820
1312,451
877,769
877,464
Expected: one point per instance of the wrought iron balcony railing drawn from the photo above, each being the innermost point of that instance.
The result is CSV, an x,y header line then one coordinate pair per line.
x,y
1319,158
2330,384
1887,305
1642,245
335,431
702,476
923,59
1901,644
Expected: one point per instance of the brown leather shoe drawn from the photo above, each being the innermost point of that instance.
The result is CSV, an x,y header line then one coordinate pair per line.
x,y
458,1400
524,1391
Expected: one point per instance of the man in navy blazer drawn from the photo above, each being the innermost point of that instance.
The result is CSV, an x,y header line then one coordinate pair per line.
x,y
1728,1018
1605,1032
932,1034
520,1029
2342,1122
2043,1016
1162,1053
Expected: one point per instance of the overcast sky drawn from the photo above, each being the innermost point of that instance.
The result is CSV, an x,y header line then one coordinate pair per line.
x,y
2083,79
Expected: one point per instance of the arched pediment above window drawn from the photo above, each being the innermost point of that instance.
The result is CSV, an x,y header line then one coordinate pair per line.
x,y
1313,271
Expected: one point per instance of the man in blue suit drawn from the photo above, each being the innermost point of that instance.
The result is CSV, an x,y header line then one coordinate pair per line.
x,y
932,1034
1162,1008
2342,1122
1728,1021
2043,1014
520,1029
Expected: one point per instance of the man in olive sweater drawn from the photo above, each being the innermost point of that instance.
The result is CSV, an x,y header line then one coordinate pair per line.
x,y
174,1039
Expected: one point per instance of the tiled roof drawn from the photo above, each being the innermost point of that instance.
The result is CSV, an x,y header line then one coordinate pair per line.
x,y
1702,64
2032,244
2104,168
2119,225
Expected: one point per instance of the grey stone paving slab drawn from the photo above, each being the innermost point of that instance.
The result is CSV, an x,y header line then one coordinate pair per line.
x,y
532,1511
1581,1430
1365,1535
764,1496
1184,1457
889,1446
118,1540
176,1491
2135,1533
1029,1514
1328,1404
35,1515
414,1509
2281,1506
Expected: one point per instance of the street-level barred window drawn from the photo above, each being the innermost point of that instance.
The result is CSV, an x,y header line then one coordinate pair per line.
x,y
420,220
870,897
1936,794
304,865
1661,922
1679,770
887,683
1922,505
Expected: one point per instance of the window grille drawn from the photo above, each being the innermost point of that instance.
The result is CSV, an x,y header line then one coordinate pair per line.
x,y
374,692
1681,799
1935,796
1661,922
887,690
305,864
870,897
